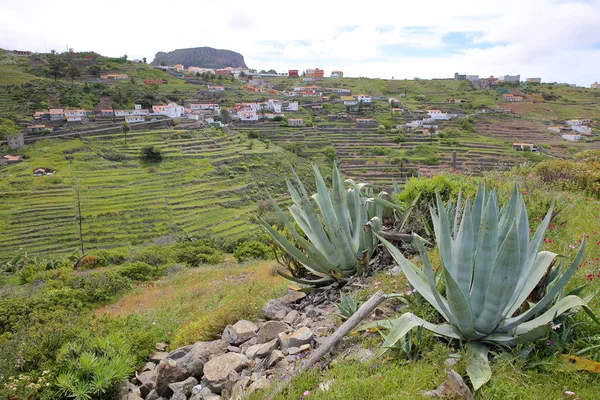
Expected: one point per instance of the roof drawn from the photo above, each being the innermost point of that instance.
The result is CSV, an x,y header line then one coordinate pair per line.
x,y
523,144
295,119
12,158
364,119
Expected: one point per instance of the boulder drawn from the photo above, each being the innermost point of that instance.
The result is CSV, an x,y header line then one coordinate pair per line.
x,y
152,395
260,384
146,377
158,356
184,387
128,391
270,330
266,348
314,312
290,317
149,366
251,351
218,370
292,296
274,358
297,350
283,340
453,387
300,337
184,362
146,388
272,307
239,332
179,396
160,346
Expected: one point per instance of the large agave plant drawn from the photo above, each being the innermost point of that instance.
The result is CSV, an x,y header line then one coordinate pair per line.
x,y
490,266
335,244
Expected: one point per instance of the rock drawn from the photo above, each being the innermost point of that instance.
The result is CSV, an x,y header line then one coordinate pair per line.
x,y
149,366
128,391
204,393
146,388
453,387
394,271
178,396
274,358
160,346
292,296
251,351
314,312
185,386
258,385
239,332
358,353
148,376
196,389
184,362
233,349
290,317
283,340
158,357
300,337
217,371
449,362
280,315
272,307
238,391
270,330
297,350
153,395
266,348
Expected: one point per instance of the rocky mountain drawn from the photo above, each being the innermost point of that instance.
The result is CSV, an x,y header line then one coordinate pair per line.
x,y
205,57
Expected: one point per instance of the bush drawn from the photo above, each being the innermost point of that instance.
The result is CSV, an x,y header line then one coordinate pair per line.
x,y
196,253
253,135
154,255
379,151
112,155
139,271
112,257
252,250
87,262
400,138
151,153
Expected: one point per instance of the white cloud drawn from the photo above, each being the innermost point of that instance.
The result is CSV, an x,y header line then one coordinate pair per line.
x,y
557,40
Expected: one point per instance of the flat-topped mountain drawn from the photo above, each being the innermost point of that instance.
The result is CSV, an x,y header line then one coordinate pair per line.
x,y
205,57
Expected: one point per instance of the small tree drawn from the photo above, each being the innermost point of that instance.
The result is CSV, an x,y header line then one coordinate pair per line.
x,y
151,153
94,70
144,60
57,67
125,128
73,72
224,115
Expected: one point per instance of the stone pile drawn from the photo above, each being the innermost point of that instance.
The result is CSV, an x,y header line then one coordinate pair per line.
x,y
246,358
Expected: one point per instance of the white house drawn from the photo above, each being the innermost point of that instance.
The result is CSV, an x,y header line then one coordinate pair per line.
x,y
292,106
274,105
75,113
472,78
414,124
572,122
582,129
364,98
510,78
248,115
295,122
438,115
171,110
571,138
556,128
132,119
74,119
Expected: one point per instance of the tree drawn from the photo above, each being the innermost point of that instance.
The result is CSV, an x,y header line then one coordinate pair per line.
x,y
94,70
224,115
8,127
151,153
144,60
125,128
163,64
242,74
125,57
57,67
360,106
73,72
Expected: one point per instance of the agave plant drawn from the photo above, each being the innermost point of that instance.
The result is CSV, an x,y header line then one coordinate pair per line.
x,y
334,244
490,266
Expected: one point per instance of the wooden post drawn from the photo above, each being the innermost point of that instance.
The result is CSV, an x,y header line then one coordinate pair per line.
x,y
454,160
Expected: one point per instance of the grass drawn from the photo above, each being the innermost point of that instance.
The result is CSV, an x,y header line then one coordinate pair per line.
x,y
196,304
12,76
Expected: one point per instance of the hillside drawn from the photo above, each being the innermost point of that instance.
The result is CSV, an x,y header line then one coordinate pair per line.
x,y
204,57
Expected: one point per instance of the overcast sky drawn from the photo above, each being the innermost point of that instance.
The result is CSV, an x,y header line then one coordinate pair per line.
x,y
557,40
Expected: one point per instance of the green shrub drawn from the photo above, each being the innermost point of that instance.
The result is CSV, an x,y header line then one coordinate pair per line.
x,y
252,250
139,271
196,253
154,255
400,138
112,257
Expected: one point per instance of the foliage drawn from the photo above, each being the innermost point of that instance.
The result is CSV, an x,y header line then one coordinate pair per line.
x,y
94,369
347,306
252,250
490,267
194,253
151,153
8,127
112,257
330,152
139,271
337,247
87,262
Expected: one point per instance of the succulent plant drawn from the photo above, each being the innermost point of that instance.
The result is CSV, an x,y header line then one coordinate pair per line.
x,y
490,266
334,244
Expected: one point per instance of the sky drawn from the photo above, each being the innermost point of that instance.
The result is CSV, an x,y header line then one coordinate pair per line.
x,y
557,40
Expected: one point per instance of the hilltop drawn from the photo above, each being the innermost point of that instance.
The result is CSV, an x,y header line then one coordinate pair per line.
x,y
205,57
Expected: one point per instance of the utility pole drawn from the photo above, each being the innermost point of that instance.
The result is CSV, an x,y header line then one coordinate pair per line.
x,y
78,209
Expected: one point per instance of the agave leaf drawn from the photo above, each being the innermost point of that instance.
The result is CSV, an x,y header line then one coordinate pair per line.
x,y
401,326
511,340
339,200
508,214
312,282
414,275
559,308
459,307
443,234
462,252
503,280
441,302
478,369
527,283
406,214
485,256
527,315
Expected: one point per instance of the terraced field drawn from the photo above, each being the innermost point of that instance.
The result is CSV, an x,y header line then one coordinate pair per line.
x,y
207,183
366,155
